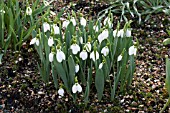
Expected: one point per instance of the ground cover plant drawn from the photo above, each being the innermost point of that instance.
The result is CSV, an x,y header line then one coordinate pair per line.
x,y
87,65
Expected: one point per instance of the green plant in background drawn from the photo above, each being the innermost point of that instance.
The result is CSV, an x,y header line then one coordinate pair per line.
x,y
167,81
80,52
136,8
17,23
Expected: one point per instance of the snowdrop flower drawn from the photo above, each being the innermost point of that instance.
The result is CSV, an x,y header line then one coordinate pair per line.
x,y
83,21
76,88
96,28
119,58
73,21
132,50
105,51
61,92
28,11
65,23
102,36
56,29
108,21
77,68
81,40
88,46
46,27
75,48
128,32
115,33
50,41
120,33
83,55
46,3
35,40
51,55
60,56
2,11
101,65
94,56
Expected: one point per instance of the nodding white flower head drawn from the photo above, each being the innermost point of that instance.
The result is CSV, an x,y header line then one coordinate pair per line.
x,y
46,3
75,48
28,11
61,92
81,40
51,55
102,36
120,33
96,28
94,56
65,23
76,88
119,58
35,41
73,20
101,65
60,56
83,21
132,50
115,33
83,55
108,21
105,51
56,29
50,41
46,27
88,46
128,32
77,68
2,11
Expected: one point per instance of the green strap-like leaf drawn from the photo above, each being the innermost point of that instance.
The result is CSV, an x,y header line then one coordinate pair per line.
x,y
167,81
99,83
71,65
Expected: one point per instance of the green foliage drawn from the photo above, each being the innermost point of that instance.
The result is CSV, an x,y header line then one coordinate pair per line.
x,y
138,8
57,53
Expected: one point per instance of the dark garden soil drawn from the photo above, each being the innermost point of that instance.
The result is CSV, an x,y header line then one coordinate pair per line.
x,y
22,90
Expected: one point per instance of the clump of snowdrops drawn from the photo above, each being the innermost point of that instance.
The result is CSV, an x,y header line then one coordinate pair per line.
x,y
79,53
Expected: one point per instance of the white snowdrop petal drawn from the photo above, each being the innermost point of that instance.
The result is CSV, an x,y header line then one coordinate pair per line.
x,y
46,27
77,68
96,28
83,21
65,23
60,56
73,21
51,55
94,56
37,42
75,48
83,55
101,65
74,88
33,41
61,92
56,29
120,33
128,32
119,58
79,88
81,40
50,41
132,50
105,51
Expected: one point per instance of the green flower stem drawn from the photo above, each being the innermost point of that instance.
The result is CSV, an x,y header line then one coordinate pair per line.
x,y
166,105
